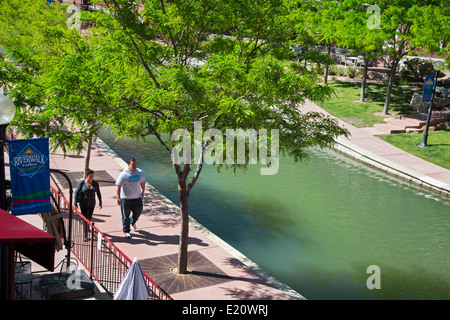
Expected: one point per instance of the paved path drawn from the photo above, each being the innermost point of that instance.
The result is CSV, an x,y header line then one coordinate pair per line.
x,y
365,145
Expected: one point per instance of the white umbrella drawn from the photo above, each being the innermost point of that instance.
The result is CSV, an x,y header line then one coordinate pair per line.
x,y
133,286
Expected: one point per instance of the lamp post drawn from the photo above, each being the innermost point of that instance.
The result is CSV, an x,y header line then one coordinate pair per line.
x,y
7,112
436,65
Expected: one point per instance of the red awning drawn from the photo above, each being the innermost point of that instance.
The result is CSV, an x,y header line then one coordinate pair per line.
x,y
30,241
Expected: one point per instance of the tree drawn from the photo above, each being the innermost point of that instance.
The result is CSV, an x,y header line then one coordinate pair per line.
x,y
402,26
56,82
320,20
239,84
167,67
432,27
358,31
390,30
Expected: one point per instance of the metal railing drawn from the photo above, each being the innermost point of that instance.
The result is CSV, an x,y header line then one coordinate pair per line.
x,y
104,261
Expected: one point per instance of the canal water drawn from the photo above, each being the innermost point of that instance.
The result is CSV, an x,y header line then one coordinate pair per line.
x,y
318,226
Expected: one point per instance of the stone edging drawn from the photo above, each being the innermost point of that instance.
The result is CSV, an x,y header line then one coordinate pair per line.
x,y
391,168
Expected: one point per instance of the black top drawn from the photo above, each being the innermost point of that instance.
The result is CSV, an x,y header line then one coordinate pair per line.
x,y
86,196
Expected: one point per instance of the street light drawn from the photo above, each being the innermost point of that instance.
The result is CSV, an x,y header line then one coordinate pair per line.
x,y
436,64
7,112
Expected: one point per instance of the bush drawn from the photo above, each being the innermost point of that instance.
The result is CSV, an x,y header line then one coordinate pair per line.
x,y
340,72
416,69
332,70
351,71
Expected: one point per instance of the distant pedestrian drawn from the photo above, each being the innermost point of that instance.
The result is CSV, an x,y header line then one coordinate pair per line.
x,y
85,197
130,191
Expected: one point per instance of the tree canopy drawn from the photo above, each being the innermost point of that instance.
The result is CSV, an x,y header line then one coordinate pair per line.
x,y
389,30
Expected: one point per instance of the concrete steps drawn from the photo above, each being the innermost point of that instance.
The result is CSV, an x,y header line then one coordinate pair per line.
x,y
415,121
390,128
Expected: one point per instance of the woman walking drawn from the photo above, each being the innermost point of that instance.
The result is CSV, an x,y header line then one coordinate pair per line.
x,y
85,196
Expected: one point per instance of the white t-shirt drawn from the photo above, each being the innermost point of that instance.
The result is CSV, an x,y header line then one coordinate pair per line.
x,y
130,183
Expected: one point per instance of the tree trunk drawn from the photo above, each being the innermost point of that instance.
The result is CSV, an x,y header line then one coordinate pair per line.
x,y
325,75
364,79
87,160
389,90
184,233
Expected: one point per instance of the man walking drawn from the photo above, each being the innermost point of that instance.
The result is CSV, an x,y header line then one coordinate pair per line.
x,y
130,191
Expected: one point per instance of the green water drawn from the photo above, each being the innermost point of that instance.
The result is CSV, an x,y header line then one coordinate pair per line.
x,y
318,226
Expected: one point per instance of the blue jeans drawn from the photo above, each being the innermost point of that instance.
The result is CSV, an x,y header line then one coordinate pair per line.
x,y
130,205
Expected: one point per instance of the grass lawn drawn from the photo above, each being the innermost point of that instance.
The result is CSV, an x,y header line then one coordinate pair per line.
x,y
346,106
437,152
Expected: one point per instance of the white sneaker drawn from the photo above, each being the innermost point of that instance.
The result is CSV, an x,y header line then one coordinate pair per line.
x,y
127,235
134,227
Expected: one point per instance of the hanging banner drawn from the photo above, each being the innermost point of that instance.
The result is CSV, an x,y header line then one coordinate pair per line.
x,y
30,176
428,88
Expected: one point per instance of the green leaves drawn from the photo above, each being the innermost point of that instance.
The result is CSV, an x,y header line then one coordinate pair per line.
x,y
159,69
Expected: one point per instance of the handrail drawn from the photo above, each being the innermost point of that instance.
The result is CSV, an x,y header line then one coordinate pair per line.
x,y
107,265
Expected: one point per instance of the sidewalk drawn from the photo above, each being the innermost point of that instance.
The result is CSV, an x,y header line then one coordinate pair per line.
x,y
364,145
